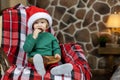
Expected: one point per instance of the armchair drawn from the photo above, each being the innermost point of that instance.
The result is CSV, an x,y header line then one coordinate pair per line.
x,y
14,31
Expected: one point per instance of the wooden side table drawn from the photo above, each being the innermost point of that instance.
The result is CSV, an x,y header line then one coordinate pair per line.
x,y
109,52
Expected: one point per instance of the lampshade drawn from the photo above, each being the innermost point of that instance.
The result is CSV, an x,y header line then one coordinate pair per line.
x,y
113,21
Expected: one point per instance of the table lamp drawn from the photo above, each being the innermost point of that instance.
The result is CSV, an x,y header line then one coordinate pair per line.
x,y
113,23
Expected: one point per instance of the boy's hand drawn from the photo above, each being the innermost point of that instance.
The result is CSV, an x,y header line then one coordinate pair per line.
x,y
57,56
36,32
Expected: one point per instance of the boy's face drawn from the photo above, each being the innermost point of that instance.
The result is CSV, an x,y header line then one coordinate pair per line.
x,y
40,24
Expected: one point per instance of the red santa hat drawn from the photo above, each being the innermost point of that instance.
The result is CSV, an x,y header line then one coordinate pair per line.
x,y
35,13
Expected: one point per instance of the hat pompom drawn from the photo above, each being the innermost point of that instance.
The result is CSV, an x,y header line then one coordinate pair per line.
x,y
35,13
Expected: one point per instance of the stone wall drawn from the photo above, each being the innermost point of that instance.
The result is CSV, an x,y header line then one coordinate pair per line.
x,y
10,3
79,21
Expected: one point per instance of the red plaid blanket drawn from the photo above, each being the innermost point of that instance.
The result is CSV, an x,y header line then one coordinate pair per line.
x,y
74,54
14,33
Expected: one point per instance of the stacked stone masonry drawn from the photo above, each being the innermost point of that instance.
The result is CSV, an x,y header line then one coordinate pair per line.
x,y
79,21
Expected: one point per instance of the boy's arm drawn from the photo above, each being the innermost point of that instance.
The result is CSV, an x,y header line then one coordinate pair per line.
x,y
29,43
56,48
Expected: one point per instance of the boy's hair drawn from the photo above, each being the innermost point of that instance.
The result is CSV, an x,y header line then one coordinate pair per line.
x,y
41,18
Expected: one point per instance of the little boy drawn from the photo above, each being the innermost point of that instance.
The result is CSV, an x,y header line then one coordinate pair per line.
x,y
41,43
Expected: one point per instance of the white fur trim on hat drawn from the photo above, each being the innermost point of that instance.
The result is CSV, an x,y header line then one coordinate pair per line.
x,y
37,16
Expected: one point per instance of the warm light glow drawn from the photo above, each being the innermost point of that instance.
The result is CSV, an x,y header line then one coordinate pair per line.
x,y
113,21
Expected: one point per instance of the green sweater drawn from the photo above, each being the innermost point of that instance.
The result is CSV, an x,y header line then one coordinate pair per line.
x,y
45,44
